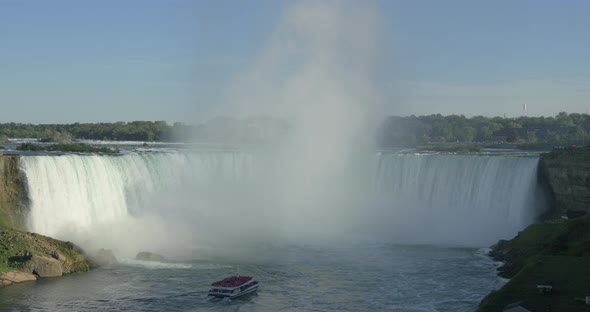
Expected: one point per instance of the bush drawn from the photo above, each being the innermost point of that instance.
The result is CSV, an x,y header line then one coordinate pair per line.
x,y
452,148
76,148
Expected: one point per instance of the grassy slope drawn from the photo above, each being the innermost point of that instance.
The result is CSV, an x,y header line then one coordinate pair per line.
x,y
558,251
570,277
16,247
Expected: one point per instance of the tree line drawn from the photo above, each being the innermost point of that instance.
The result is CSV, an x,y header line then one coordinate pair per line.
x,y
117,131
220,129
563,129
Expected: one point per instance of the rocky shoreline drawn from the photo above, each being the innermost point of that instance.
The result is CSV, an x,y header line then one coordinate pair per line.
x,y
553,247
557,249
28,256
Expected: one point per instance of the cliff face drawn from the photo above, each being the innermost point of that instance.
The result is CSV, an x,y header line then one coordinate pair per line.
x,y
12,196
557,250
28,256
566,173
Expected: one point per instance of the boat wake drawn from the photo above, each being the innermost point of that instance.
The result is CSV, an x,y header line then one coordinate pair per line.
x,y
155,264
217,299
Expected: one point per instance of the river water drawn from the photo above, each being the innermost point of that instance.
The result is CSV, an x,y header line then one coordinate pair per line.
x,y
381,243
374,277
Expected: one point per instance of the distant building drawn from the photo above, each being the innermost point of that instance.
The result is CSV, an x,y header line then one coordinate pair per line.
x,y
588,299
518,307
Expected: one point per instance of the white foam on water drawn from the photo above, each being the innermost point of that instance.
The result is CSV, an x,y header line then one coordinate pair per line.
x,y
155,264
457,200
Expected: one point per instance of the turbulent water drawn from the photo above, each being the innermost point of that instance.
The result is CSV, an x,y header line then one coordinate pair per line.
x,y
73,191
411,198
171,201
457,199
359,278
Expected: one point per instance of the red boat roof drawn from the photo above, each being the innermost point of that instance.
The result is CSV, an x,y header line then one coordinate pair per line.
x,y
232,281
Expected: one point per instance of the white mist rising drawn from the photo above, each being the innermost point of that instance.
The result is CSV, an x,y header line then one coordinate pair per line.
x,y
316,71
314,185
176,202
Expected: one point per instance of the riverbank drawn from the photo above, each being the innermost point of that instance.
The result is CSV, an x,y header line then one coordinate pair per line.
x,y
555,251
28,256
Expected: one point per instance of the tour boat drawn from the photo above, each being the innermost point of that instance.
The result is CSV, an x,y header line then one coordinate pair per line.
x,y
233,287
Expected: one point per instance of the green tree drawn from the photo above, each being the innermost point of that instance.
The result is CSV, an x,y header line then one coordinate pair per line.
x,y
532,137
553,137
579,135
512,136
61,137
469,134
485,134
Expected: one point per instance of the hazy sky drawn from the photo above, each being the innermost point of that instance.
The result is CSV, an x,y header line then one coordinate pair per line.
x,y
111,60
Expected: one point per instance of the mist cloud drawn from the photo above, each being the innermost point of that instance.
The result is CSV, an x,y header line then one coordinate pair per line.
x,y
311,186
316,71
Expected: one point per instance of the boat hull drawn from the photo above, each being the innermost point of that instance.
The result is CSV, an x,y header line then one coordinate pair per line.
x,y
246,291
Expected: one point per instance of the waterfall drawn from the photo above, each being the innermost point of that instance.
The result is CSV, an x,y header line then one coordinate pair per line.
x,y
412,198
76,192
457,199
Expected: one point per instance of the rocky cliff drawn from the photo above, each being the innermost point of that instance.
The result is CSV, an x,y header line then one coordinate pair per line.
x,y
557,250
566,173
12,197
28,256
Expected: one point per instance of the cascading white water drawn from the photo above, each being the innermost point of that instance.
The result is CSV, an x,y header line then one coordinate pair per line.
x,y
445,199
74,192
457,199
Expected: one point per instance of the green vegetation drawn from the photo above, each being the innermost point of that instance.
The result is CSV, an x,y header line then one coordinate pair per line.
x,y
456,148
219,129
11,211
75,147
523,132
58,137
118,131
556,237
10,250
17,247
557,250
569,154
570,280
531,132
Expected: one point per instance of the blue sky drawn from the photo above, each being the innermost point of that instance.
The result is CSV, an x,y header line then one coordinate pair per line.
x,y
111,60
